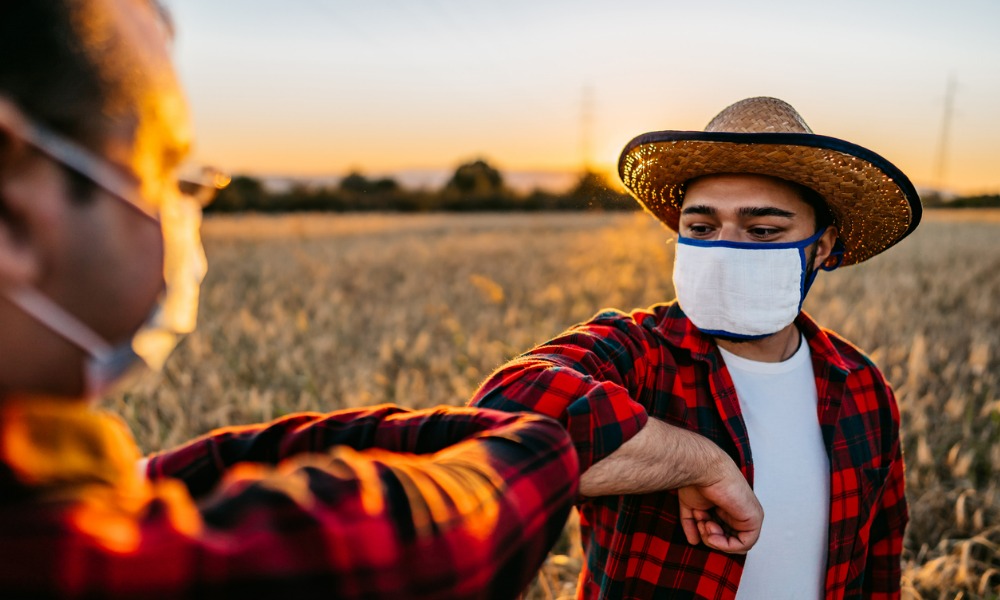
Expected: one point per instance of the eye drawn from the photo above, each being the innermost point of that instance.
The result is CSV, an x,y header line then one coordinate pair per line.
x,y
764,233
699,230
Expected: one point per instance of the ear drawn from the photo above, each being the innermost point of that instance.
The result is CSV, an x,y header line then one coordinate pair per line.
x,y
824,247
19,261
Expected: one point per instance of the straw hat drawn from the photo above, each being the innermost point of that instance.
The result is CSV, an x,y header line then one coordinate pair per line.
x,y
874,205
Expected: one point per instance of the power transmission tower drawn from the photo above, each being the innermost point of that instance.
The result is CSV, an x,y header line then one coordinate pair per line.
x,y
942,149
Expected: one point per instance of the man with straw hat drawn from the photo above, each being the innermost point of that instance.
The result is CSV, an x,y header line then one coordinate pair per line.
x,y
674,410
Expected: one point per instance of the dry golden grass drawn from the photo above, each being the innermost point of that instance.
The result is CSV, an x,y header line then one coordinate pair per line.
x,y
324,312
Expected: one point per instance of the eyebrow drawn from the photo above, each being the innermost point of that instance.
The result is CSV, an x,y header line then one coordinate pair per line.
x,y
747,211
698,209
765,211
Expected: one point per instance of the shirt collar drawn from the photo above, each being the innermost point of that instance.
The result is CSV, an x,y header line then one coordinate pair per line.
x,y
821,345
58,449
681,332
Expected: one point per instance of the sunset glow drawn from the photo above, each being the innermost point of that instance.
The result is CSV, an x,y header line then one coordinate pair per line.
x,y
323,87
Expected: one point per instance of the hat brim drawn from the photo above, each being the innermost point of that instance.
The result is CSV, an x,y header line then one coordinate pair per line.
x,y
874,204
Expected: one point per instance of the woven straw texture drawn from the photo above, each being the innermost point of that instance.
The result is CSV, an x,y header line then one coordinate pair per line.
x,y
870,209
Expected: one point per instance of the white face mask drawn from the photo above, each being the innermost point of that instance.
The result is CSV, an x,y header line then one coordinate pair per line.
x,y
178,215
171,318
744,290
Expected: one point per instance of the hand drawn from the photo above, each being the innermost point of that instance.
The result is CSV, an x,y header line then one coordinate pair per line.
x,y
717,506
724,514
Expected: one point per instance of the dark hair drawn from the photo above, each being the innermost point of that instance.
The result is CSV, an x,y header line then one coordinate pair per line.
x,y
47,71
65,68
824,216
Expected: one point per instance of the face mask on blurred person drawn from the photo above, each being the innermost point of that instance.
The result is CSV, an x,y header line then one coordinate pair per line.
x,y
742,290
174,315
184,266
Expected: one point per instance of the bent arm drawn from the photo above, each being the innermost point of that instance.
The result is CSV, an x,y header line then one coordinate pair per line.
x,y
717,505
659,457
473,519
201,463
586,379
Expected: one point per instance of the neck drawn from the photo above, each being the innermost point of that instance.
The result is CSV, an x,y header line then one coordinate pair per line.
x,y
774,348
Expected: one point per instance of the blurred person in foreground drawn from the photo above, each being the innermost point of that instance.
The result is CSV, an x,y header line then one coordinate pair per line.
x,y
96,234
733,378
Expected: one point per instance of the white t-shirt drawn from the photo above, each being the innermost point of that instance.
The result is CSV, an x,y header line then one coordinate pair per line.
x,y
791,476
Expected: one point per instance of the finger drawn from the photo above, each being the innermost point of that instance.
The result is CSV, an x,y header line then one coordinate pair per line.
x,y
713,529
738,542
690,526
702,515
724,543
748,531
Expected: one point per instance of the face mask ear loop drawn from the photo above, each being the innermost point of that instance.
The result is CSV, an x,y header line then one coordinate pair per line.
x,y
837,253
54,317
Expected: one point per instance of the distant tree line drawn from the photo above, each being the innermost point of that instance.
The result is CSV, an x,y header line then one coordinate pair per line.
x,y
935,200
475,186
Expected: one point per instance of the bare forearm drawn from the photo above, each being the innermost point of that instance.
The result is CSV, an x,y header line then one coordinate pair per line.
x,y
659,457
716,505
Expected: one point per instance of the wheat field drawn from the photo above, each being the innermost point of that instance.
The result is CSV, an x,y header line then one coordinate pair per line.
x,y
320,312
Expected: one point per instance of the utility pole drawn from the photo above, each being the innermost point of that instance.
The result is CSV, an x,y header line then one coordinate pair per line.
x,y
586,128
942,150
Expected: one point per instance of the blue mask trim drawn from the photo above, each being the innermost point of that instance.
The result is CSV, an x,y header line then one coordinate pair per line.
x,y
837,253
735,336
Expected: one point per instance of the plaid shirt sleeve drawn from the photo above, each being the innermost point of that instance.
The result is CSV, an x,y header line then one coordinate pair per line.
x,y
885,547
381,502
201,464
586,378
883,571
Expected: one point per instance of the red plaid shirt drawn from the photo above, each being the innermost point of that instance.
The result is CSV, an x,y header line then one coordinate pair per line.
x,y
604,378
379,502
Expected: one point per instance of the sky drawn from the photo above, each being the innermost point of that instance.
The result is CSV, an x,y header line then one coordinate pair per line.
x,y
324,87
